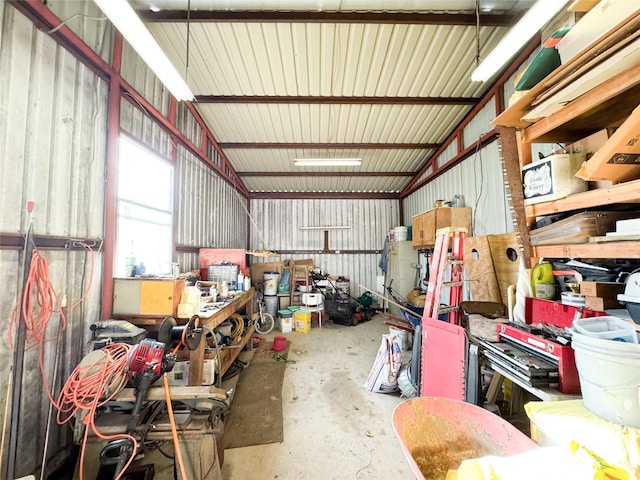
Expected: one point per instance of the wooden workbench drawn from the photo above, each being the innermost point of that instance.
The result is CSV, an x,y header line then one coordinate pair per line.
x,y
197,356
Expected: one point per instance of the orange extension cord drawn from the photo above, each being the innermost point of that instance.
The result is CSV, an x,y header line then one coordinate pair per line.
x,y
91,386
174,432
39,302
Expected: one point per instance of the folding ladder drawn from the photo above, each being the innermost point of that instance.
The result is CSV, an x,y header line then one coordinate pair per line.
x,y
449,238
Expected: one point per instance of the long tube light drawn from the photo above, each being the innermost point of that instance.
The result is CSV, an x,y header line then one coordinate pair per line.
x,y
125,19
328,162
520,33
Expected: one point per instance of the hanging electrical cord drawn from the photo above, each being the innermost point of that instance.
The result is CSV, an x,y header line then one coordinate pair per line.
x,y
66,20
93,383
477,32
186,62
39,304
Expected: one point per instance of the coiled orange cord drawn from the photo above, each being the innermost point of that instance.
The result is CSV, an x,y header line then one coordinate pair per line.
x,y
90,386
39,302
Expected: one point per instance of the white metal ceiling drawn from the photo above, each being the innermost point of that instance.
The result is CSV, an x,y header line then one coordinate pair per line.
x,y
321,59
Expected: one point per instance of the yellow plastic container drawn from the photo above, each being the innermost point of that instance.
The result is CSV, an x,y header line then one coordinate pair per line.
x,y
543,282
302,321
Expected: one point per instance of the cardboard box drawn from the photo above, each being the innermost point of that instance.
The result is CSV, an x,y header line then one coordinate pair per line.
x,y
618,159
600,304
180,374
601,289
552,178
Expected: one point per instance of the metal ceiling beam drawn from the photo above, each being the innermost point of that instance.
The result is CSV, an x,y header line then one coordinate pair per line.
x,y
322,100
360,146
326,174
398,18
323,195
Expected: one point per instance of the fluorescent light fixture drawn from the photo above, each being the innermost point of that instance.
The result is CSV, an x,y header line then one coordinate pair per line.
x,y
134,31
327,162
520,33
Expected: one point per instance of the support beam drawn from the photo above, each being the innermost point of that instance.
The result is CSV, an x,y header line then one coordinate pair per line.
x,y
513,176
352,146
396,18
324,195
326,174
329,100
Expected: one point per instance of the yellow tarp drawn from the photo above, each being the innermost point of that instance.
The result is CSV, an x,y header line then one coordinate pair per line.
x,y
588,448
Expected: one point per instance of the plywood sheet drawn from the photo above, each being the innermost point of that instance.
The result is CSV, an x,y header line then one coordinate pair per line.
x,y
618,159
478,265
505,253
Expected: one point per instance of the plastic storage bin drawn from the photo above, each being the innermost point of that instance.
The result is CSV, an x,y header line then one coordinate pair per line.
x,y
606,328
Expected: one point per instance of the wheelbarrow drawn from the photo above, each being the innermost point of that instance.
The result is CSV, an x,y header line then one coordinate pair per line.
x,y
436,434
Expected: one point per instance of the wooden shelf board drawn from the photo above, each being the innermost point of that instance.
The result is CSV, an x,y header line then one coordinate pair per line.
x,y
228,356
629,249
628,192
512,116
607,104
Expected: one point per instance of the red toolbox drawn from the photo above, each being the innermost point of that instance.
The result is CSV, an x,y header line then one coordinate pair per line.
x,y
537,310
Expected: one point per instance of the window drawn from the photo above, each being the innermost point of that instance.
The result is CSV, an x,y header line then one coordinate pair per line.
x,y
145,210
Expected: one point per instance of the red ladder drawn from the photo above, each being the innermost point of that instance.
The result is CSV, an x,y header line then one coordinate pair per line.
x,y
446,239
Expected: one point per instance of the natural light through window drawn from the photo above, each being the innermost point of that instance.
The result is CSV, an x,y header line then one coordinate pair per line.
x,y
145,206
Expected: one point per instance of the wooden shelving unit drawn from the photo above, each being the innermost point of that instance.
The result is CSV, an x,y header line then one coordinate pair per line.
x,y
197,356
606,105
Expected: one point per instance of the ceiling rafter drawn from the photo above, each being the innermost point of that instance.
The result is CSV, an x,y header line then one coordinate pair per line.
x,y
413,18
324,174
316,195
343,100
336,146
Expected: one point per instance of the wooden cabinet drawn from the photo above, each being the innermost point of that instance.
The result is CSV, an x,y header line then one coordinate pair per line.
x,y
606,105
146,297
425,224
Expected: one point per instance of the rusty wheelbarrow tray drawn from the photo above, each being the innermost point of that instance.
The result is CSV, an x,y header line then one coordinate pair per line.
x,y
436,434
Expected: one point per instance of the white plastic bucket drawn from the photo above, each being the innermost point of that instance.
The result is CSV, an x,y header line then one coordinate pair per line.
x,y
270,285
609,378
402,336
401,234
271,304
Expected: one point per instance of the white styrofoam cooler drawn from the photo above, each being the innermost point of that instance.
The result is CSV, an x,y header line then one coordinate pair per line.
x,y
552,178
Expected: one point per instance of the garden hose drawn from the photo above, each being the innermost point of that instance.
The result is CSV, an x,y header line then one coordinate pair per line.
x,y
237,325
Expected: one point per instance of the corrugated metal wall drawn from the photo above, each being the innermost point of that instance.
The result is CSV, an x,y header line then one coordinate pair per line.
x,y
52,137
209,212
369,222
52,152
479,179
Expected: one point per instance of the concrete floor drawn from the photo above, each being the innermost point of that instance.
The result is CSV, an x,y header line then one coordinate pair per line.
x,y
333,427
